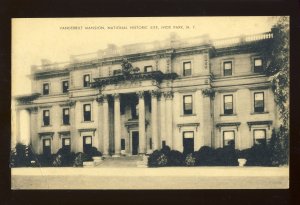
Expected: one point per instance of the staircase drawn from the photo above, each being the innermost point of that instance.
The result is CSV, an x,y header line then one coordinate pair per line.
x,y
123,161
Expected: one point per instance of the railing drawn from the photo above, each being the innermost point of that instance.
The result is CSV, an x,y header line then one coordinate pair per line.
x,y
154,75
258,37
51,66
241,39
112,51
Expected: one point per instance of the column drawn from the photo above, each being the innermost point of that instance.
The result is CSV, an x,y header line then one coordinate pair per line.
x,y
24,136
34,139
18,129
142,127
169,118
105,126
99,99
162,119
117,119
155,141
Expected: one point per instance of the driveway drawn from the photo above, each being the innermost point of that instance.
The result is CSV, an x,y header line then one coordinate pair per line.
x,y
151,178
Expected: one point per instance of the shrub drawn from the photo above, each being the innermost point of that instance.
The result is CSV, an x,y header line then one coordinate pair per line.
x,y
258,155
166,150
93,152
205,156
157,159
190,160
226,156
243,153
230,156
279,147
57,162
12,161
162,160
45,160
63,158
21,156
175,158
80,158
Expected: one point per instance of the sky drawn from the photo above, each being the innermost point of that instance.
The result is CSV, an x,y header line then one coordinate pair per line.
x,y
35,39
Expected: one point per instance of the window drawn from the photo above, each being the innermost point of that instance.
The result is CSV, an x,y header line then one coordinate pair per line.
x,y
227,67
46,89
228,104
260,137
87,112
187,69
46,117
66,116
187,105
258,65
65,86
228,138
148,68
86,80
87,143
116,72
122,144
259,102
66,144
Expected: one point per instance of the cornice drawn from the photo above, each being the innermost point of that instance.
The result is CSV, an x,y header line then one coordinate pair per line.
x,y
196,124
87,130
228,124
266,122
50,74
240,48
42,134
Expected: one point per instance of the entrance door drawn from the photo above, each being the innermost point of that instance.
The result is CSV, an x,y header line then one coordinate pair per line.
x,y
188,142
135,143
87,143
47,147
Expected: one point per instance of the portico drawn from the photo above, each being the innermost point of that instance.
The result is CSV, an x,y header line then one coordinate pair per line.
x,y
134,122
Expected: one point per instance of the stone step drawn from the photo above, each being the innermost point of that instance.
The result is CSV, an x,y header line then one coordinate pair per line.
x,y
122,161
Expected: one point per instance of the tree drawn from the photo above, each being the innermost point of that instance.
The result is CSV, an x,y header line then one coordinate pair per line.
x,y
278,69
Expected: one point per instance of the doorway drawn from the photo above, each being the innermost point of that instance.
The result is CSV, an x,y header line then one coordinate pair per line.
x,y
47,147
87,143
135,142
188,142
66,144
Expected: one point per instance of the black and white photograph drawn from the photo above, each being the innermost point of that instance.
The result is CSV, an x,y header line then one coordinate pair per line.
x,y
133,103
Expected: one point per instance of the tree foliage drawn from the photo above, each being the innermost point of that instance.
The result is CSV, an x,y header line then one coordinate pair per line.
x,y
278,69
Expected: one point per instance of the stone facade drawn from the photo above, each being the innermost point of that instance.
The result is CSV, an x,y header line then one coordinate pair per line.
x,y
184,93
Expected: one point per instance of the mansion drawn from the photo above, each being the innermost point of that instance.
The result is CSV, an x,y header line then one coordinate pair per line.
x,y
130,100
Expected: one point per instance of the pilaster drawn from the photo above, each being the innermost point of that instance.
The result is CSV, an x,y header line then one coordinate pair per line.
x,y
154,124
206,119
142,127
73,132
